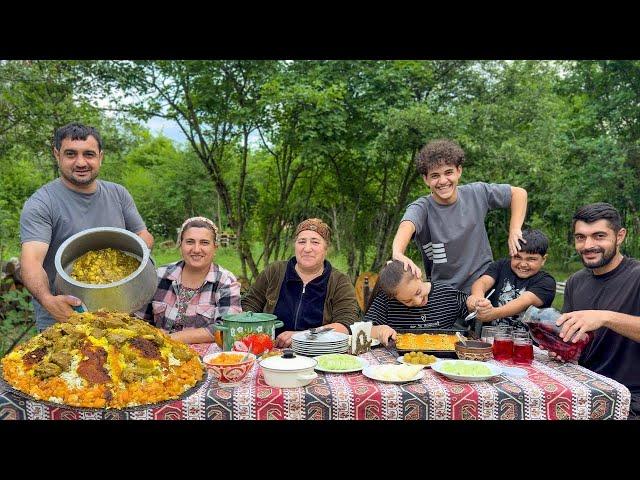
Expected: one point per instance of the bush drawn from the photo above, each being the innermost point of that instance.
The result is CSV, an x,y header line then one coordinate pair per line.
x,y
16,316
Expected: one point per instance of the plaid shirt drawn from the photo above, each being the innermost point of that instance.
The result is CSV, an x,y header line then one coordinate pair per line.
x,y
219,295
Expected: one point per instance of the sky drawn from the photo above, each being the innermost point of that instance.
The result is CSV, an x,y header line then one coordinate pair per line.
x,y
168,128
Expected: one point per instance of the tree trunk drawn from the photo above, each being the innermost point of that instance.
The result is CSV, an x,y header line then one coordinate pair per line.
x,y
336,230
244,247
388,223
351,260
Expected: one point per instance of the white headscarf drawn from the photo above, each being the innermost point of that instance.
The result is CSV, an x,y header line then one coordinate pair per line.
x,y
202,219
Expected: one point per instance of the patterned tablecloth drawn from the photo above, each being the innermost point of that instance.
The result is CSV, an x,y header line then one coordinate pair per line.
x,y
550,391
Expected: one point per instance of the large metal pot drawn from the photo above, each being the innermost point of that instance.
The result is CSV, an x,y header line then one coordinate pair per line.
x,y
126,295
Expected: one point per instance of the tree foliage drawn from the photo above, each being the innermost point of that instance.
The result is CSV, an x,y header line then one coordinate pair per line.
x,y
272,142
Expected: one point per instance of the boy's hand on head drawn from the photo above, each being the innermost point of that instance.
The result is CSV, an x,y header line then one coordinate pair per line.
x,y
408,264
515,237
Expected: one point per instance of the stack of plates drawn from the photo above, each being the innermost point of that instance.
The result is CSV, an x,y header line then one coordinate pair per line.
x,y
329,342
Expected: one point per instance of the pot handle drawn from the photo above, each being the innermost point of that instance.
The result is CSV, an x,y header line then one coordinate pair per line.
x,y
217,325
308,376
278,324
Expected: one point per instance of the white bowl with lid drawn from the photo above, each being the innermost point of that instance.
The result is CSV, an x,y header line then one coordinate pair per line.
x,y
288,370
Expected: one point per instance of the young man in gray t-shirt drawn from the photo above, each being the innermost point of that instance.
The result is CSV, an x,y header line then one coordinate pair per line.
x,y
448,225
74,202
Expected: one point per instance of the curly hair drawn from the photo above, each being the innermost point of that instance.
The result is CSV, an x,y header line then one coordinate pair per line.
x,y
439,152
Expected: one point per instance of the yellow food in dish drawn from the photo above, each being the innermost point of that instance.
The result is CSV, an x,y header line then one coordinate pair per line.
x,y
426,341
103,266
102,360
225,358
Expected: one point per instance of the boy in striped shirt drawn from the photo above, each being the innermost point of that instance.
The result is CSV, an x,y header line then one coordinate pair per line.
x,y
403,301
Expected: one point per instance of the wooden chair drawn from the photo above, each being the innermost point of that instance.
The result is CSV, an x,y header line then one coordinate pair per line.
x,y
364,287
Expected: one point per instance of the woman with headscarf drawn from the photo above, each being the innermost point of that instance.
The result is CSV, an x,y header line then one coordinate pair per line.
x,y
305,291
194,292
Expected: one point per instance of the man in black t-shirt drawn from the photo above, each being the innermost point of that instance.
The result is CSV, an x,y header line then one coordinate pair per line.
x,y
519,283
604,298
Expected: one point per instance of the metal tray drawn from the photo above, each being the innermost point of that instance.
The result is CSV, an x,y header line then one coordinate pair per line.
x,y
437,353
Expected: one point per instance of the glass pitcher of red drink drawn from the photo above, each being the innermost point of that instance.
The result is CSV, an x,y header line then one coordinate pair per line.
x,y
543,328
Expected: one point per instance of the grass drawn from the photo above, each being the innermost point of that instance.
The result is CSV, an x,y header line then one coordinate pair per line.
x,y
558,301
227,257
561,273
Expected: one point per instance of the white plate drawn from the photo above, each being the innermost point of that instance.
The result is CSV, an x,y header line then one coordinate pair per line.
x,y
401,360
315,354
323,351
495,370
370,372
363,364
327,337
319,345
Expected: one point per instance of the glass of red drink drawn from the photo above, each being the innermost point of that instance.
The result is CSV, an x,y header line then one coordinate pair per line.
x,y
502,345
522,348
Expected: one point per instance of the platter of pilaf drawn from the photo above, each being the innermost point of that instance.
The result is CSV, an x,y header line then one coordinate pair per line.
x,y
103,360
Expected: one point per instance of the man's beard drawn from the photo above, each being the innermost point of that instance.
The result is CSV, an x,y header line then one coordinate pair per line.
x,y
607,257
92,176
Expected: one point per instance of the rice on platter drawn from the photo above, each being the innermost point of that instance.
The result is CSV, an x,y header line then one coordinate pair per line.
x,y
102,360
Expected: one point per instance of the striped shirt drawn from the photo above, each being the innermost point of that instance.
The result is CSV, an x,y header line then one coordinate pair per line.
x,y
444,306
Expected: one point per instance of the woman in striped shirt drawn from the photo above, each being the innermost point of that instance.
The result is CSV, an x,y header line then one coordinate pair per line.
x,y
403,301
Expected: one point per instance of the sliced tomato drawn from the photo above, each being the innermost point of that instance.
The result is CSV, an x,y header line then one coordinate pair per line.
x,y
259,342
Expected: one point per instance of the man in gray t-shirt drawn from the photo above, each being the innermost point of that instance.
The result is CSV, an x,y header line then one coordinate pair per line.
x,y
74,202
448,225
454,249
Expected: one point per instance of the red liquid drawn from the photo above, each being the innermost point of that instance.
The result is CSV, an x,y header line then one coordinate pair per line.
x,y
502,349
547,337
522,353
